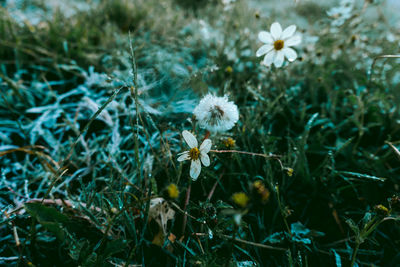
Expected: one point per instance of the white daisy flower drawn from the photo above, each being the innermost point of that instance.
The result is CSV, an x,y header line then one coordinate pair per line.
x,y
195,154
216,114
277,45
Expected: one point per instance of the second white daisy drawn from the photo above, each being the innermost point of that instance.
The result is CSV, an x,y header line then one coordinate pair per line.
x,y
278,44
195,154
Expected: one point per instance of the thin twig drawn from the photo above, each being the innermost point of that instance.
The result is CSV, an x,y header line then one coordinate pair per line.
x,y
253,243
395,150
186,213
189,189
213,188
272,156
375,59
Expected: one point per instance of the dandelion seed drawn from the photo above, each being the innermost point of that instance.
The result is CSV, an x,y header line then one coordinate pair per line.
x,y
195,155
216,114
240,199
278,45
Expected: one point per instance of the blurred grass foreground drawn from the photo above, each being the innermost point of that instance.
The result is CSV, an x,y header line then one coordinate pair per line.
x,y
199,133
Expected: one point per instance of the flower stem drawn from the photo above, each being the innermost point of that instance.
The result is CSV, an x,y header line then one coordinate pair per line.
x,y
272,156
353,257
185,207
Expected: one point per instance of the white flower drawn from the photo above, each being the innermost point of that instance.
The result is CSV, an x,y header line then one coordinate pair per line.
x,y
341,13
216,114
195,154
277,45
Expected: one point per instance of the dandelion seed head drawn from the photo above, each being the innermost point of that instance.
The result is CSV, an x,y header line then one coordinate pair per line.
x,y
216,114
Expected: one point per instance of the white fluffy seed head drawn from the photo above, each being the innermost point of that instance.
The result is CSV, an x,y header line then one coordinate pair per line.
x,y
216,114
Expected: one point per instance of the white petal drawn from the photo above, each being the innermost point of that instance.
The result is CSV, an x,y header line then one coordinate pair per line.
x,y
190,139
288,32
265,37
205,159
184,156
276,30
195,168
264,49
294,40
205,146
278,62
290,54
269,58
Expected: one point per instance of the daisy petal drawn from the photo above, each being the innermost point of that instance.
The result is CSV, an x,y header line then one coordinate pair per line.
x,y
288,32
184,156
205,159
264,49
278,62
290,54
276,30
205,146
294,40
265,37
195,169
190,139
269,58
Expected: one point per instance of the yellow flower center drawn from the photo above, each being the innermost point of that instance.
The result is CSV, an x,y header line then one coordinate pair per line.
x,y
278,44
194,153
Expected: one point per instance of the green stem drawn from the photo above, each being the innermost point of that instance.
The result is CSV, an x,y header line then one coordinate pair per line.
x,y
353,257
282,211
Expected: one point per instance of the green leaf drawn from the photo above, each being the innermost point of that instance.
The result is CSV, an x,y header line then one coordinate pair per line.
x,y
353,226
49,217
338,260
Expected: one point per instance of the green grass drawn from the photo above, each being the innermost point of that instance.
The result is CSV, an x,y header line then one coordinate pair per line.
x,y
90,132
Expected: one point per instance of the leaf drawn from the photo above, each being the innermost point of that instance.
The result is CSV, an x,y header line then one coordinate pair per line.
x,y
361,176
161,212
45,214
353,226
275,238
302,234
49,217
114,247
337,258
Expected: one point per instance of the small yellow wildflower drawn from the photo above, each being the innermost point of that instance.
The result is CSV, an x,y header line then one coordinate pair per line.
x,y
114,210
240,199
262,191
229,69
173,191
382,209
289,171
229,142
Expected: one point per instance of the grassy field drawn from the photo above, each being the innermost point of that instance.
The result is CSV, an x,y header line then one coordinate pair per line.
x,y
96,98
